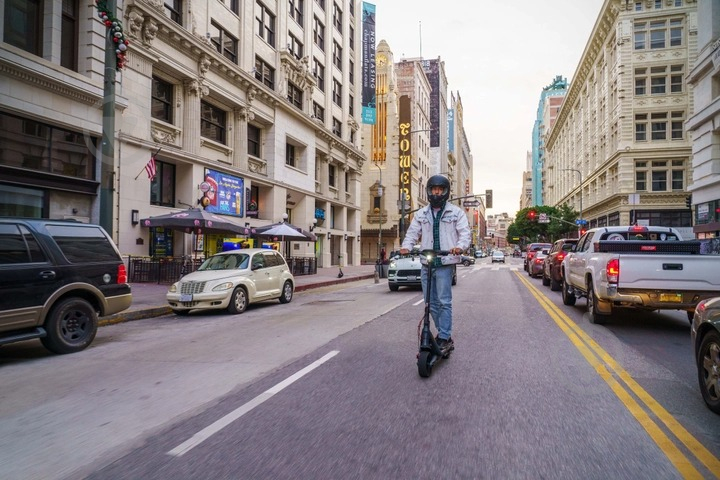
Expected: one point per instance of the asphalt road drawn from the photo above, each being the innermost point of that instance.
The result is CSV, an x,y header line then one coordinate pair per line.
x,y
532,391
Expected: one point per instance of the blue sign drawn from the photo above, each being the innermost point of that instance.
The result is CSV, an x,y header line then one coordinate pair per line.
x,y
451,130
226,193
369,73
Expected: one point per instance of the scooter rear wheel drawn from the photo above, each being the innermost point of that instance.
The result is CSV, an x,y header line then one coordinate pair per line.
x,y
424,367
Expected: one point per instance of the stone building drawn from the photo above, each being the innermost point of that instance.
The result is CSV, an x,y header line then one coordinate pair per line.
x,y
259,100
619,151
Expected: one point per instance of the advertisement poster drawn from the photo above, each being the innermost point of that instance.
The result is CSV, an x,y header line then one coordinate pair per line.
x,y
226,193
368,64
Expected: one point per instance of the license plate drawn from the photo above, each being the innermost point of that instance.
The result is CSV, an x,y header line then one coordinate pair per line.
x,y
411,278
671,297
186,298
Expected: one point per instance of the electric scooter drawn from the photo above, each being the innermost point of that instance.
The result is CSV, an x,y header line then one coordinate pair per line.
x,y
430,352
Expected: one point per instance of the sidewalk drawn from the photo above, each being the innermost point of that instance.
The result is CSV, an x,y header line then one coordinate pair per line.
x,y
149,298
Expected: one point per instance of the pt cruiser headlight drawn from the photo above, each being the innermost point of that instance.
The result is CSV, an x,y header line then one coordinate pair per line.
x,y
173,288
222,286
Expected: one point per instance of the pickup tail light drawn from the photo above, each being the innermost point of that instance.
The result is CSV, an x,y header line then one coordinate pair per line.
x,y
613,270
560,257
122,274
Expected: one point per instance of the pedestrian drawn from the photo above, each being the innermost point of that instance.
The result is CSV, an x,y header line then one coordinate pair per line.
x,y
439,226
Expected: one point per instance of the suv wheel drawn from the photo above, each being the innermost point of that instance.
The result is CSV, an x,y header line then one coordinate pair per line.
x,y
71,326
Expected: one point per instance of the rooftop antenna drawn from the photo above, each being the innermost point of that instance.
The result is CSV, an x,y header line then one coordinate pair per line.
x,y
420,27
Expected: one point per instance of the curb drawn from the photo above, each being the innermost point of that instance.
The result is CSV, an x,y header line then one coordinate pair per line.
x,y
151,312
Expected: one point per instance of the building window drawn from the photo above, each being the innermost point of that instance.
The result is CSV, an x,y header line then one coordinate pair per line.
x,y
295,95
639,35
640,81
638,6
224,43
162,100
658,4
212,122
296,11
23,25
321,3
351,72
290,158
162,187
173,10
337,55
657,80
351,105
678,179
641,181
319,71
295,46
69,35
352,136
659,181
676,78
677,121
319,33
318,112
337,92
332,178
351,38
337,127
641,127
254,134
265,73
658,34
266,24
676,32
658,126
233,5
337,17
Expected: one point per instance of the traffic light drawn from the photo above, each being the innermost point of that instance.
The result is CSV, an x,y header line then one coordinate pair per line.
x,y
532,215
582,231
688,201
488,199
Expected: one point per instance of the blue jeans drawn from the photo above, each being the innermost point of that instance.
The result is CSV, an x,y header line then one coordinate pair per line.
x,y
440,298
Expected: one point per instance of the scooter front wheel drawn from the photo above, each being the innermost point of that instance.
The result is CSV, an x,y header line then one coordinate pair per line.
x,y
424,366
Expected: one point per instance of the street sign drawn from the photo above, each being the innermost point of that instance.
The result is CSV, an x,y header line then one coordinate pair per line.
x,y
543,218
471,203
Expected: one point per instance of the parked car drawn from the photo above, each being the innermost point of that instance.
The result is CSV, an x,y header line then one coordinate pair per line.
x,y
467,261
552,270
56,278
531,250
498,256
233,280
705,334
480,254
405,271
537,263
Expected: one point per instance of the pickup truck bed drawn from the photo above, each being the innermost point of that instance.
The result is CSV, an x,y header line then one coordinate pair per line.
x,y
642,274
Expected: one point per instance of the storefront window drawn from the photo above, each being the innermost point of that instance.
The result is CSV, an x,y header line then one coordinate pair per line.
x,y
21,202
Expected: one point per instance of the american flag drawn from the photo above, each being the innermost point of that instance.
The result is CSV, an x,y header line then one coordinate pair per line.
x,y
150,169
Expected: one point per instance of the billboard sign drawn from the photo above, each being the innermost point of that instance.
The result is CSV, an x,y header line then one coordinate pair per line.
x,y
226,193
369,74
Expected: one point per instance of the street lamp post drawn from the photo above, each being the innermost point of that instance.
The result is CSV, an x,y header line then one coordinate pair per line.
x,y
581,191
380,222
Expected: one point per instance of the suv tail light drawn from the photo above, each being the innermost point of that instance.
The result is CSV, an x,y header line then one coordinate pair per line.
x,y
613,270
122,274
560,257
530,255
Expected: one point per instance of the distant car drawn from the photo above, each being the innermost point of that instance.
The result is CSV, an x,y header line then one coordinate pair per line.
x,y
498,256
232,280
705,335
479,254
517,253
552,271
537,263
467,261
405,271
531,250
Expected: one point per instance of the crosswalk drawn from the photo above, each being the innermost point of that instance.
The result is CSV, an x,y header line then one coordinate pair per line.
x,y
492,266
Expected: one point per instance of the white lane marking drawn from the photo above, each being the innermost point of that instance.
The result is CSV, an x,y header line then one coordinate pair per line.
x,y
215,427
422,300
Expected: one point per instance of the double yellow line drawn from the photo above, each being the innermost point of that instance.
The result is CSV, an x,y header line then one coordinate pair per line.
x,y
613,374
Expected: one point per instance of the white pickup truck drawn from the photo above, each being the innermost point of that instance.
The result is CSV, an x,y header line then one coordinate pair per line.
x,y
641,267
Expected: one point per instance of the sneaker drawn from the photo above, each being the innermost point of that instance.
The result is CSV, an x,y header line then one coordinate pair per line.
x,y
440,342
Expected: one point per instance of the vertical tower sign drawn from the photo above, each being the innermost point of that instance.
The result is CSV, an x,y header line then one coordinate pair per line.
x,y
368,64
405,159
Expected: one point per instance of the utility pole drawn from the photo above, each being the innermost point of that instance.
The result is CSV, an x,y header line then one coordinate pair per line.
x,y
107,160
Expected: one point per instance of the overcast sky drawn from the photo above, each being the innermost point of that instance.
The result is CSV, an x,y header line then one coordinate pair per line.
x,y
499,56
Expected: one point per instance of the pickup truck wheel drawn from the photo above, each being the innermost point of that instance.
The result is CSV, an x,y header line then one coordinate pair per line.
x,y
568,297
594,315
71,326
708,365
393,288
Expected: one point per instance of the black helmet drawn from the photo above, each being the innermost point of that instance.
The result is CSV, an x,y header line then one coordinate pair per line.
x,y
438,201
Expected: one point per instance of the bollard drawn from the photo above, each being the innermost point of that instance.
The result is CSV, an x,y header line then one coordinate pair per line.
x,y
377,276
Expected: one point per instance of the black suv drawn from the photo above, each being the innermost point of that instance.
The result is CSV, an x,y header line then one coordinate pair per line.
x,y
56,278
